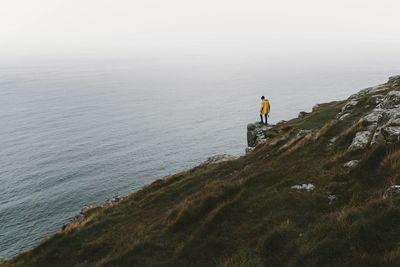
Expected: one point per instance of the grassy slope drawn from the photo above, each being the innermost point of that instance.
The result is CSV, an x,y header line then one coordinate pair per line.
x,y
244,213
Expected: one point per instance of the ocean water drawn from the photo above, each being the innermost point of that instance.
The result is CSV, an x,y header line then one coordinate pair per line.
x,y
74,135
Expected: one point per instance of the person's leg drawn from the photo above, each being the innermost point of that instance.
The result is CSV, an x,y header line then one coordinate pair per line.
x,y
261,116
266,118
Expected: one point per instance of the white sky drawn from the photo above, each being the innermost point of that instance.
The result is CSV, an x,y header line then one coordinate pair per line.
x,y
179,28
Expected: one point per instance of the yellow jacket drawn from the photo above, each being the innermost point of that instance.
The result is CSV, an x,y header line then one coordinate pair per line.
x,y
265,107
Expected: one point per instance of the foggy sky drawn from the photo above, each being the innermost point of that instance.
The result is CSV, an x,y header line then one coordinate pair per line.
x,y
278,31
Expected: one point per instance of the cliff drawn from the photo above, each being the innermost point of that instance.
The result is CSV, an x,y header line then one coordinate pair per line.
x,y
318,190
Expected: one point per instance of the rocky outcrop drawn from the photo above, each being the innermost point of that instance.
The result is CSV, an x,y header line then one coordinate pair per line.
x,y
360,93
346,108
393,78
383,122
256,134
385,119
391,191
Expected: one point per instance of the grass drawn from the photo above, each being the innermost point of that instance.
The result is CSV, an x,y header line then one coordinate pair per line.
x,y
243,212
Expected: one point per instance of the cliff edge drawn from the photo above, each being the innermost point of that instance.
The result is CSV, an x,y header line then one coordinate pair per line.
x,y
322,189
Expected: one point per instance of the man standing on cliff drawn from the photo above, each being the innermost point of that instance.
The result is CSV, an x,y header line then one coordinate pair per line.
x,y
264,110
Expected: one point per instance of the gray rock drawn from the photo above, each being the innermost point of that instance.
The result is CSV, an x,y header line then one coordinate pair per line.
x,y
251,134
360,93
374,116
250,149
376,99
360,141
394,122
256,133
391,134
377,138
307,187
346,108
387,123
391,100
368,90
302,114
389,115
391,191
351,163
344,116
349,105
393,78
331,142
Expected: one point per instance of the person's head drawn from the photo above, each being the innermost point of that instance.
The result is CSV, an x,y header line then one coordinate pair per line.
x,y
262,98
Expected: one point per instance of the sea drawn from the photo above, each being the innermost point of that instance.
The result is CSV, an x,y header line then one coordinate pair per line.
x,y
78,133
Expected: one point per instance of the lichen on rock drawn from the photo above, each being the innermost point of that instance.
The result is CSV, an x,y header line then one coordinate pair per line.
x,y
360,141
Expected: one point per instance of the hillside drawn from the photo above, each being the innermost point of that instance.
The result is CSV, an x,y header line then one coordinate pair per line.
x,y
312,193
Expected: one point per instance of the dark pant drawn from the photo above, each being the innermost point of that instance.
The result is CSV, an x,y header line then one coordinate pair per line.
x,y
266,118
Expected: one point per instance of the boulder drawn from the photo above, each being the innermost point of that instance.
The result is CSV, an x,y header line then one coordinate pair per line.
x,y
344,116
307,187
302,114
360,141
376,99
351,163
391,134
374,116
349,105
391,191
387,124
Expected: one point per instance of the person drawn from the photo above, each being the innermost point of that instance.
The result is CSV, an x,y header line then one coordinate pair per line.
x,y
264,110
